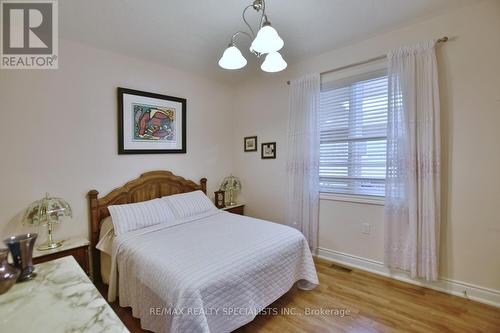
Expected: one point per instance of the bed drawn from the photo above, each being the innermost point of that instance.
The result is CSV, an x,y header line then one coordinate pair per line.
x,y
209,271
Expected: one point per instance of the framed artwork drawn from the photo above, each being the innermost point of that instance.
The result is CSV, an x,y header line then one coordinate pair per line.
x,y
250,143
268,150
220,201
150,123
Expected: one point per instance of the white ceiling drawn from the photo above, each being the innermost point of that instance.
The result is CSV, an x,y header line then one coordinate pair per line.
x,y
191,35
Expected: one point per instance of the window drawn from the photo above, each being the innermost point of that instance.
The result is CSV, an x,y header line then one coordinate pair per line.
x,y
353,127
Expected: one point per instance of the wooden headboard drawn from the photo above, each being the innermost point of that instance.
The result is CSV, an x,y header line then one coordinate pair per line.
x,y
149,185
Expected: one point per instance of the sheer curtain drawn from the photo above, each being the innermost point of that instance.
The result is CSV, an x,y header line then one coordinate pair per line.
x,y
302,166
413,162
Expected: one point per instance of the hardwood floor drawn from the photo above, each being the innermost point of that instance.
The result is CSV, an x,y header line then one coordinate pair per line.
x,y
356,301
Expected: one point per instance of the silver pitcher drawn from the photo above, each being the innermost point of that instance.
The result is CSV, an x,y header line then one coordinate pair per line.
x,y
8,273
21,249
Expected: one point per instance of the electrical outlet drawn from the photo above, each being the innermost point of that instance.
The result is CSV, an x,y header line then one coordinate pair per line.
x,y
365,228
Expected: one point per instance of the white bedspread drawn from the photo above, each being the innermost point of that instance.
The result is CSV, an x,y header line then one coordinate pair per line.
x,y
211,273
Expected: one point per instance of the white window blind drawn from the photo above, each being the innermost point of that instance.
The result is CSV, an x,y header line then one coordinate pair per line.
x,y
353,125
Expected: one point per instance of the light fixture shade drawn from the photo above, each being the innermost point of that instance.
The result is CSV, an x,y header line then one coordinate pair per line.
x,y
274,62
229,183
47,210
232,59
267,40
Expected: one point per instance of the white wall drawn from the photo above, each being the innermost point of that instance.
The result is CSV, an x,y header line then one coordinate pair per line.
x,y
58,131
470,94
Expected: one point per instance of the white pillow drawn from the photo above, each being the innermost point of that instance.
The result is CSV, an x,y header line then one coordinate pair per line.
x,y
139,215
189,204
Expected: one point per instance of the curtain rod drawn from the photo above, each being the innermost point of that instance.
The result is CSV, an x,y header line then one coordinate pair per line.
x,y
440,40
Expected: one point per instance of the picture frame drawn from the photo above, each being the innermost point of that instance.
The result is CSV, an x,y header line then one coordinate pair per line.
x,y
150,123
219,199
250,143
268,150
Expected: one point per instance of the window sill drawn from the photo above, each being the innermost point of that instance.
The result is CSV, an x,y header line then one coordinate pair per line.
x,y
364,199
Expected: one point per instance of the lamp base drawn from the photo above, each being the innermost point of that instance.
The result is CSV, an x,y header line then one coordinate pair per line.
x,y
49,246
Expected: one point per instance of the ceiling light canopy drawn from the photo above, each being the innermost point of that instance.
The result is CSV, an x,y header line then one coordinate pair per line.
x,y
267,41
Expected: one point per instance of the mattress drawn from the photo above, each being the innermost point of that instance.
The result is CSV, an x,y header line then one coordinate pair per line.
x,y
213,272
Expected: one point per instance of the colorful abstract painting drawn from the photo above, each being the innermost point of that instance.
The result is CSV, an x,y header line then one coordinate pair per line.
x,y
153,123
150,123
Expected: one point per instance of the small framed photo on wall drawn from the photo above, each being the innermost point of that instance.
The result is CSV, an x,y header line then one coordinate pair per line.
x,y
250,143
268,150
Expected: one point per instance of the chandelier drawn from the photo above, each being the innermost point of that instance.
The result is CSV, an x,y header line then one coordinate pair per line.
x,y
267,42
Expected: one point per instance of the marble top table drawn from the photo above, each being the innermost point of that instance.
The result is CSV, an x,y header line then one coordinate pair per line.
x,y
67,244
61,298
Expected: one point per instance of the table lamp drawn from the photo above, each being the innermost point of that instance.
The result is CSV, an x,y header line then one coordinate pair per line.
x,y
231,185
47,212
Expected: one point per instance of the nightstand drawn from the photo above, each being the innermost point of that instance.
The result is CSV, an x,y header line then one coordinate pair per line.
x,y
235,209
76,247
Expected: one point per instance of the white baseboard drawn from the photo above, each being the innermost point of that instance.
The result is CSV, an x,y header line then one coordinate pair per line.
x,y
449,286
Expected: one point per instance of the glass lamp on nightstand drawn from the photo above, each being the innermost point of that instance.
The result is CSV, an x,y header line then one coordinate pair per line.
x,y
231,185
47,212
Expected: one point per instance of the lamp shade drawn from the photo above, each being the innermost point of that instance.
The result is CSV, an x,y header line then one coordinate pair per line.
x,y
232,58
47,210
273,63
230,183
267,40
